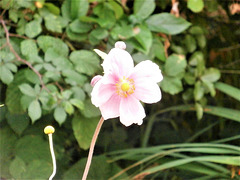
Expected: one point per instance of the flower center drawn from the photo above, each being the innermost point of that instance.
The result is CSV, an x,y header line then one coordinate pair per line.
x,y
125,87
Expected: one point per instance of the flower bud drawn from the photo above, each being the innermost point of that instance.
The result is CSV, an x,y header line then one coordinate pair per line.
x,y
49,130
120,45
38,4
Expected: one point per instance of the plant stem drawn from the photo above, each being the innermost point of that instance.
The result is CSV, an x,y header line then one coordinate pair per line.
x,y
90,154
53,156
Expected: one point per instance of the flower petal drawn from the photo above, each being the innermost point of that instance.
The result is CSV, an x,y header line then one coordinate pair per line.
x,y
95,79
147,69
110,109
131,111
101,93
118,61
147,91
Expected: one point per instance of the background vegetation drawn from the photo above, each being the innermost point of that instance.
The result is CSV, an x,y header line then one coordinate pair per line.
x,y
47,62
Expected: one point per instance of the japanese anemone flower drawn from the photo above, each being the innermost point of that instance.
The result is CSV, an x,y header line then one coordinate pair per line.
x,y
119,91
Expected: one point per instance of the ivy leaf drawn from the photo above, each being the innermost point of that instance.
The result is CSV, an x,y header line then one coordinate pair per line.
x,y
195,5
34,110
60,115
86,61
83,129
167,23
33,28
143,9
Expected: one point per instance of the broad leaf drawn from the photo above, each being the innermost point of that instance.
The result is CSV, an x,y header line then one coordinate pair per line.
x,y
29,47
171,85
195,5
167,23
34,110
143,9
83,129
60,115
175,65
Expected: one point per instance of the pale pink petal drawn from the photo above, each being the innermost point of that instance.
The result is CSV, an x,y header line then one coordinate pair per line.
x,y
147,91
131,111
110,78
110,109
118,61
120,45
147,69
101,93
95,79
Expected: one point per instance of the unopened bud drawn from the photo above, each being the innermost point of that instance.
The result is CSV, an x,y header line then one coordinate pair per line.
x,y
38,4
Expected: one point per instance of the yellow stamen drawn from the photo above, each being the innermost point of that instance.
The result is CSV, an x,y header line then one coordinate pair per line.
x,y
125,86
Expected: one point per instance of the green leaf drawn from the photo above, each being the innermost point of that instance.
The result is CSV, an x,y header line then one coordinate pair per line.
x,y
201,40
100,169
58,45
117,8
157,49
210,87
78,103
80,27
198,91
28,47
122,31
13,94
33,28
99,33
76,36
90,110
32,76
143,9
68,108
79,8
60,115
171,85
85,61
52,23
66,10
223,112
74,78
30,148
38,169
229,90
52,8
144,37
27,90
190,43
18,122
175,64
195,5
211,75
199,111
34,110
196,58
5,74
8,140
167,23
17,168
83,129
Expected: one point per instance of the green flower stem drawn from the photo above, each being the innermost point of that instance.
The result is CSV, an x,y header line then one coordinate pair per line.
x,y
90,154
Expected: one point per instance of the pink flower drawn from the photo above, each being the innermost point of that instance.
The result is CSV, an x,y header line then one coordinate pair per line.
x,y
119,91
